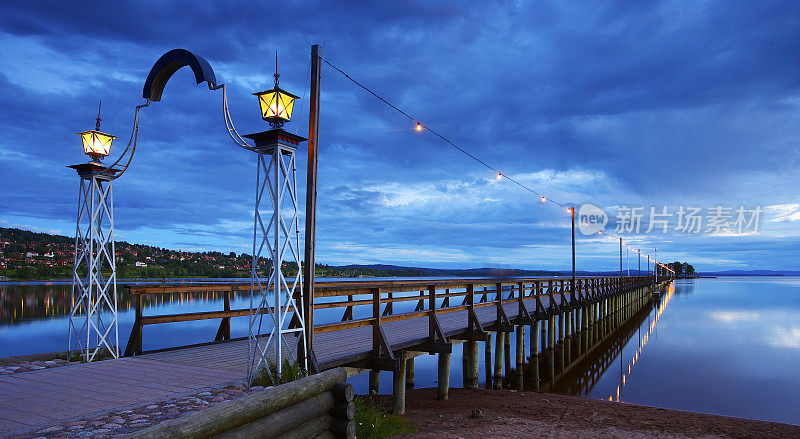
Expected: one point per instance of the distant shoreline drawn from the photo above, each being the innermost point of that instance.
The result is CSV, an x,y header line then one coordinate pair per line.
x,y
183,279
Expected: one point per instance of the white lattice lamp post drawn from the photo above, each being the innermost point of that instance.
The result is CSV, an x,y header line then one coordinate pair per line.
x,y
276,327
93,311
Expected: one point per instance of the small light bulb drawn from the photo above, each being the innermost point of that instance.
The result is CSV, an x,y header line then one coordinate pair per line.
x,y
419,126
499,176
544,199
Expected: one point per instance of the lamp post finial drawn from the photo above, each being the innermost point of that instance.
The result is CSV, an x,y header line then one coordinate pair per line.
x,y
277,75
97,125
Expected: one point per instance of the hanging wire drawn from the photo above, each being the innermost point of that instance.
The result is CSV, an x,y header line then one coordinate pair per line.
x,y
131,146
420,126
302,101
226,116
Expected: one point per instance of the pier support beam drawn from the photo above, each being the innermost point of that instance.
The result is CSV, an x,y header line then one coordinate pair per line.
x,y
487,359
410,373
471,364
399,387
520,355
551,345
568,340
499,344
374,381
534,349
507,357
443,388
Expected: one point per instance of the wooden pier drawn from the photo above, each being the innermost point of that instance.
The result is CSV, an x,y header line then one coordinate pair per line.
x,y
371,334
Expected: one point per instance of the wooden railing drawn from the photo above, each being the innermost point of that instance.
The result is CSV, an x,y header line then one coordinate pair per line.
x,y
433,298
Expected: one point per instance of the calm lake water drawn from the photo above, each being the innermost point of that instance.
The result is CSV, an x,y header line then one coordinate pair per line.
x,y
728,346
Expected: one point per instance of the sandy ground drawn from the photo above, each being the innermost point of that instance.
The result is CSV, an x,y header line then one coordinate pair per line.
x,y
510,414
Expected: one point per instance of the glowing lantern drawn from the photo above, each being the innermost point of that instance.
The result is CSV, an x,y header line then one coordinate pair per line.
x,y
96,144
419,126
276,105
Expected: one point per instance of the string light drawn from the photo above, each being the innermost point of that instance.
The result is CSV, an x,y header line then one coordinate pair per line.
x,y
435,133
419,127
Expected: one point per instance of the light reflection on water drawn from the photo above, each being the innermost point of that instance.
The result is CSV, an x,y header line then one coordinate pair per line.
x,y
727,346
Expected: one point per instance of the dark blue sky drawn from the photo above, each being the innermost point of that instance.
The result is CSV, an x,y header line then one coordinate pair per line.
x,y
637,104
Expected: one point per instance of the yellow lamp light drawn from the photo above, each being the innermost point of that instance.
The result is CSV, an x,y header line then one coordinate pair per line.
x,y
96,144
276,105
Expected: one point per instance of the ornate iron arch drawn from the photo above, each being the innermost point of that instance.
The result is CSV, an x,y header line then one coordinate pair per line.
x,y
171,62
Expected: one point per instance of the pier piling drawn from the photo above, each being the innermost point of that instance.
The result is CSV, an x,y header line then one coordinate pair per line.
x,y
444,377
471,364
499,344
399,387
520,355
374,381
410,373
487,359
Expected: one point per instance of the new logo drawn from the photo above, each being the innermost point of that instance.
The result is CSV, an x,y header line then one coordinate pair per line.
x,y
591,219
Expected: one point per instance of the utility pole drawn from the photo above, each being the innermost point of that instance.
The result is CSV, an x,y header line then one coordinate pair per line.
x,y
655,265
639,271
311,205
620,257
628,257
572,211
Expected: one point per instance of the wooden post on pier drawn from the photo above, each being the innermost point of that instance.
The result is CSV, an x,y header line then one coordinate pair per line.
x,y
534,349
471,364
487,360
499,343
587,327
444,377
562,324
374,381
520,355
551,348
399,387
410,372
568,339
507,358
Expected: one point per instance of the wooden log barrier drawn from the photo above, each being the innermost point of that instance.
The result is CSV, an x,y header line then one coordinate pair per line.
x,y
311,416
297,409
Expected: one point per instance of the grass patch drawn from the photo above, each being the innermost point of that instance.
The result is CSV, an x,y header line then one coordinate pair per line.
x,y
289,372
372,422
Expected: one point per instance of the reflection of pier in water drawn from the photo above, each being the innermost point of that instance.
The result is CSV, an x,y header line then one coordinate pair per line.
x,y
19,302
578,359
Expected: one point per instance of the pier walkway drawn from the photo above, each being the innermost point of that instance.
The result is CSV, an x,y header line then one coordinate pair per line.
x,y
443,311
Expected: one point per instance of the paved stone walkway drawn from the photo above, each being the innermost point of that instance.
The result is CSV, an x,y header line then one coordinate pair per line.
x,y
30,366
126,420
51,396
